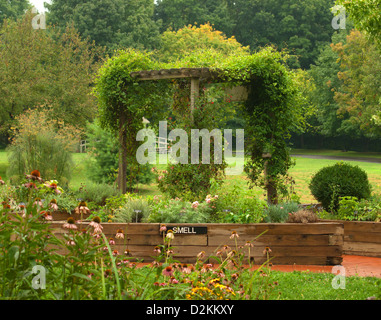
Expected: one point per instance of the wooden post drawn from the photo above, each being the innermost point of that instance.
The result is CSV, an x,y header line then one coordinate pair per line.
x,y
122,172
272,195
195,90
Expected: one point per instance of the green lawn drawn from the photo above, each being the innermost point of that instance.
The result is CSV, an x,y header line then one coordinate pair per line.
x,y
3,164
304,285
302,172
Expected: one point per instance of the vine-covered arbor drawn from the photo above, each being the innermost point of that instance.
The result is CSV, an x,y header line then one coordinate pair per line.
x,y
131,84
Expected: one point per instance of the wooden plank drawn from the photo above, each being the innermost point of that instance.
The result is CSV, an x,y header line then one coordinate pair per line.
x,y
280,240
275,229
374,237
162,74
362,226
154,240
362,248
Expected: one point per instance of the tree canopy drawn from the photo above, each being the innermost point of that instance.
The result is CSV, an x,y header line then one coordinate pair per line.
x,y
45,67
366,15
299,26
111,23
13,9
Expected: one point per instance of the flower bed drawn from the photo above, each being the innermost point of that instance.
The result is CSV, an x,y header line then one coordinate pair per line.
x,y
287,243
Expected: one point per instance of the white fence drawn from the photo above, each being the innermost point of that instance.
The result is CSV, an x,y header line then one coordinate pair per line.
x,y
162,144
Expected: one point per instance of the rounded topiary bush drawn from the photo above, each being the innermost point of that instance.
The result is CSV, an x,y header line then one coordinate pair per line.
x,y
340,180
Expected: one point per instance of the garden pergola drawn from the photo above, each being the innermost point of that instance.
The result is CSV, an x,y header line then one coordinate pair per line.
x,y
131,84
195,76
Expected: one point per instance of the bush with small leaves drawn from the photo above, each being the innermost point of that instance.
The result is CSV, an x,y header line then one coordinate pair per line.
x,y
340,180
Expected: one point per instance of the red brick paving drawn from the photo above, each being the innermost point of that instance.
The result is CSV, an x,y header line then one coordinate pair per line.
x,y
354,266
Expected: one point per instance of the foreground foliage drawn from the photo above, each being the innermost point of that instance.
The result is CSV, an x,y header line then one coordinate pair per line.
x,y
81,264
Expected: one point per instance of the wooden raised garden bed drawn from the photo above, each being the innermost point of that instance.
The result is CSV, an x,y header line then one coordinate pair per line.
x,y
290,243
362,238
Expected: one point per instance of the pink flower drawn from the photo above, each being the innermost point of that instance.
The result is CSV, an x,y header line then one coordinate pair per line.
x,y
201,255
174,280
234,235
53,206
119,234
70,224
195,204
30,185
47,216
168,271
111,242
95,223
38,202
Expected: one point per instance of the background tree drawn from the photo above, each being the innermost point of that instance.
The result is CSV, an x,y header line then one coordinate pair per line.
x,y
13,9
360,93
366,15
299,26
324,74
45,67
110,23
178,44
175,14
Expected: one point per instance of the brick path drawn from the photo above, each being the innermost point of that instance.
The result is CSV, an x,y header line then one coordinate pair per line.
x,y
354,265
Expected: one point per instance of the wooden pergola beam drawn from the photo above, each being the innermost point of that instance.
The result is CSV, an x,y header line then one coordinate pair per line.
x,y
202,73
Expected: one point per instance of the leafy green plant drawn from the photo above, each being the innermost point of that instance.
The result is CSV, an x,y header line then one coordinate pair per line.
x,y
96,192
280,212
331,183
239,206
179,211
134,210
350,208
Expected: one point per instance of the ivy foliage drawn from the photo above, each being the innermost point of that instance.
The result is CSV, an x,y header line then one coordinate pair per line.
x,y
119,93
273,108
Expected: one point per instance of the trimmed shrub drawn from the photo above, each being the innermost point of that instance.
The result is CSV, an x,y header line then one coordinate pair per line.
x,y
340,180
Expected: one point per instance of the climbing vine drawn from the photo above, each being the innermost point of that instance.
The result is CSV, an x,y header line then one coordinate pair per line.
x,y
271,111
